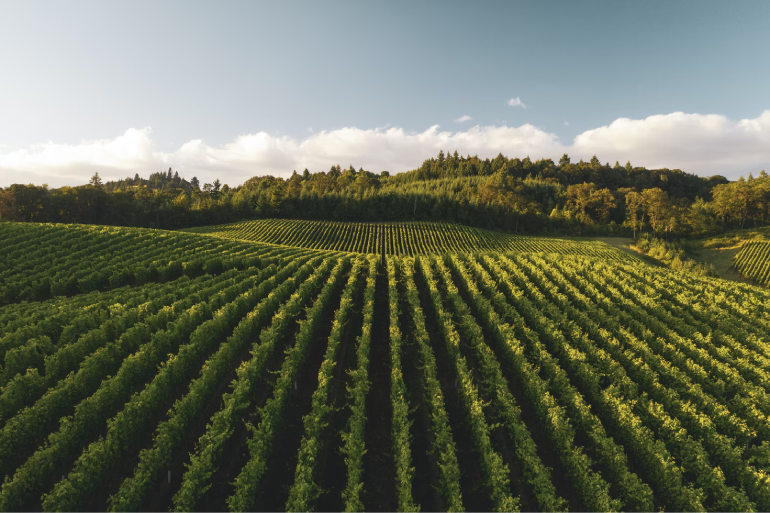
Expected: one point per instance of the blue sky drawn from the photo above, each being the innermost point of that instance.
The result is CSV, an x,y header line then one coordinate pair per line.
x,y
235,89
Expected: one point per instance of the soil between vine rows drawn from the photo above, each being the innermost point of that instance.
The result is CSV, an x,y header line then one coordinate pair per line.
x,y
471,480
282,463
99,500
331,472
161,499
498,436
379,467
425,484
544,451
235,453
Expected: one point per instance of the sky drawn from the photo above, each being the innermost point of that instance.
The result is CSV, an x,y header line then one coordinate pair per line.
x,y
231,90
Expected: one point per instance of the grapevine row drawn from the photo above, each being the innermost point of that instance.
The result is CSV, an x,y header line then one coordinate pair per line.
x,y
261,443
305,489
494,469
401,440
398,238
443,443
353,437
197,480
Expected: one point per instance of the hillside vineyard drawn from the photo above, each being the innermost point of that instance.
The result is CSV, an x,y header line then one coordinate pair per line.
x,y
398,238
145,370
753,261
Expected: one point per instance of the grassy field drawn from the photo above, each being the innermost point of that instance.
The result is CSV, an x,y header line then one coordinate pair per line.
x,y
146,370
721,252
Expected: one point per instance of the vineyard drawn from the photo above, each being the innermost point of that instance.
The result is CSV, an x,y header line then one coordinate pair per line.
x,y
41,261
753,261
286,365
406,239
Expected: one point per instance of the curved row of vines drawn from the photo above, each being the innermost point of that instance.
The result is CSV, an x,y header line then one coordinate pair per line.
x,y
307,380
405,239
753,261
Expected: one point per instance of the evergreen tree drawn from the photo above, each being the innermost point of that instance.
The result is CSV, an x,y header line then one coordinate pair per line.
x,y
96,180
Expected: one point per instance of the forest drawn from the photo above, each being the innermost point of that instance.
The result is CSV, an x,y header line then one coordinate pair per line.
x,y
510,194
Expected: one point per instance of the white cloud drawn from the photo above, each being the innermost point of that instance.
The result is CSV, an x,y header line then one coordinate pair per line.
x,y
702,144
696,143
59,164
463,119
516,102
566,123
377,149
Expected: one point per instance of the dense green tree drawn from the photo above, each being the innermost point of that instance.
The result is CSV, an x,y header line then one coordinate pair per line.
x,y
656,205
96,180
634,211
534,196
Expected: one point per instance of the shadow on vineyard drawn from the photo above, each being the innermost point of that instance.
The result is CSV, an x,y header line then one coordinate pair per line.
x,y
462,369
332,468
378,461
282,463
471,481
305,270
426,478
507,447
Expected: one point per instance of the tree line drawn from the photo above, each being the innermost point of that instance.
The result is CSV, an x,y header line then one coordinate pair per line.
x,y
516,195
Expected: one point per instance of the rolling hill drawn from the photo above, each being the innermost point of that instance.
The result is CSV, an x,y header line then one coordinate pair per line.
x,y
280,365
399,238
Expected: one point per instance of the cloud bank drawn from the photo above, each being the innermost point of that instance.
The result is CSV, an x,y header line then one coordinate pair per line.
x,y
695,143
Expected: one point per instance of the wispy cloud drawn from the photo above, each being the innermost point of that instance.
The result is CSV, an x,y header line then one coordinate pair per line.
x,y
463,119
566,124
516,102
696,143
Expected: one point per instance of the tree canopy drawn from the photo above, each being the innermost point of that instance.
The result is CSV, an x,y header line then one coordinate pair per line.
x,y
518,195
